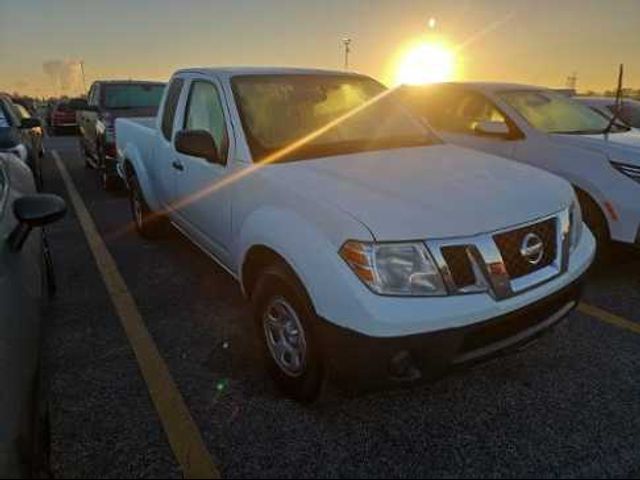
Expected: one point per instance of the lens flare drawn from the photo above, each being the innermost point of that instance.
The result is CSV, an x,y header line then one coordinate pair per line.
x,y
425,63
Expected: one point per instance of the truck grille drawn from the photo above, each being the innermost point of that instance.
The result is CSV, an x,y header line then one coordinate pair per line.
x,y
459,265
510,245
507,262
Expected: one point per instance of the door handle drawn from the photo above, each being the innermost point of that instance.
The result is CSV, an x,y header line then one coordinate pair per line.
x,y
178,166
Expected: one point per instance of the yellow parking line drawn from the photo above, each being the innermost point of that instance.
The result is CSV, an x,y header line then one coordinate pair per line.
x,y
183,434
609,318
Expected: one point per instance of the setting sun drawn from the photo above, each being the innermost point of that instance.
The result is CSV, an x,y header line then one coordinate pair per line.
x,y
425,63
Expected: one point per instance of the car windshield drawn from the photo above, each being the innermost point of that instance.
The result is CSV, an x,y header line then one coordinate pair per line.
x,y
553,112
4,121
328,111
132,96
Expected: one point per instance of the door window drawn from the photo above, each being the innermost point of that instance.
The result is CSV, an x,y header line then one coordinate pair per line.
x,y
204,112
464,110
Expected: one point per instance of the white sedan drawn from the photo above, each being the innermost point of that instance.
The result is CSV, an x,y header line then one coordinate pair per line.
x,y
549,130
629,113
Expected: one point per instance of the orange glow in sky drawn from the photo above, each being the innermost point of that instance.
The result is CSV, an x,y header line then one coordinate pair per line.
x,y
426,62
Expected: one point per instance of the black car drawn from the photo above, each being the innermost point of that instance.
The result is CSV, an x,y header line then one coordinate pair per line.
x,y
107,101
17,135
25,279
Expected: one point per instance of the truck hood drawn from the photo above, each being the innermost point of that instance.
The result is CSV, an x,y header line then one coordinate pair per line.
x,y
623,147
428,192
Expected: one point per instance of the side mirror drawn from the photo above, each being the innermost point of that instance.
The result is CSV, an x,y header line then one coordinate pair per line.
x,y
492,129
29,123
197,143
33,211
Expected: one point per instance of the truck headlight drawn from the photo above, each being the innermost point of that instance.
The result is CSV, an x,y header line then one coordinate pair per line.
x,y
576,223
403,269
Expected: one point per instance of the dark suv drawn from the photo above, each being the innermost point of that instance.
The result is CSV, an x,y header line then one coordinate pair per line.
x,y
107,101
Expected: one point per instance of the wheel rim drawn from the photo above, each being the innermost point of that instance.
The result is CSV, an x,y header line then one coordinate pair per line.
x,y
285,337
137,207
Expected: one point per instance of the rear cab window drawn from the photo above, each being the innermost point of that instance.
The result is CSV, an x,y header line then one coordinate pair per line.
x,y
131,95
170,106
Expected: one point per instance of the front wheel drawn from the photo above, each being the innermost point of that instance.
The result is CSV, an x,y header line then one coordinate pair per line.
x,y
285,323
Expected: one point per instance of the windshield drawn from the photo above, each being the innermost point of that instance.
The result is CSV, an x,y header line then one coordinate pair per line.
x,y
280,110
132,96
4,121
552,112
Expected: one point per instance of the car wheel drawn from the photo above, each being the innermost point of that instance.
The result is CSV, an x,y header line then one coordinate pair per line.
x,y
108,182
85,154
148,224
285,322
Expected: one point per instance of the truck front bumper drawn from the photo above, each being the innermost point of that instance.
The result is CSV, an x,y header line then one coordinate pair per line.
x,y
378,360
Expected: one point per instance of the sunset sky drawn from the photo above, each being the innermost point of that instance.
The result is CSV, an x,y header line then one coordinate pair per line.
x,y
539,42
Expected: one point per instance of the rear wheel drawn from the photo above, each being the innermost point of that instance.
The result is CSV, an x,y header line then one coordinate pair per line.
x,y
148,224
285,324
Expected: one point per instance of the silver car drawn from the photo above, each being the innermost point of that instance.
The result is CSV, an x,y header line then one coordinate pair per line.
x,y
25,278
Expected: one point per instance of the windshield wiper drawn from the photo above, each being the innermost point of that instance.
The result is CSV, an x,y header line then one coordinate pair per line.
x,y
618,105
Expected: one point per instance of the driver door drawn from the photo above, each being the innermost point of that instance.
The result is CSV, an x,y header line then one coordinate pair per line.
x,y
202,198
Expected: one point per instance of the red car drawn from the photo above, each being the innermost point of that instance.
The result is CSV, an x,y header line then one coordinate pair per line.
x,y
63,118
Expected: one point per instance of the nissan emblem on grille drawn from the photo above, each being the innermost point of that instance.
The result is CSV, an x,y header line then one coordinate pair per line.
x,y
532,248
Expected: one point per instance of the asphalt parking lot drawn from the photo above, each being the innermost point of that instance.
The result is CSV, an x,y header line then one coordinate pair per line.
x,y
568,406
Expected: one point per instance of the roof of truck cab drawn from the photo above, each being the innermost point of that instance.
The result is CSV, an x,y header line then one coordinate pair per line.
x,y
229,72
129,81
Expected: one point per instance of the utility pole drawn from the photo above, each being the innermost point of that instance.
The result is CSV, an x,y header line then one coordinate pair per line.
x,y
572,81
347,50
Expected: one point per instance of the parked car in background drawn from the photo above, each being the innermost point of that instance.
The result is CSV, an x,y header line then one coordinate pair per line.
x,y
63,118
36,133
549,130
629,112
107,101
368,248
18,135
24,274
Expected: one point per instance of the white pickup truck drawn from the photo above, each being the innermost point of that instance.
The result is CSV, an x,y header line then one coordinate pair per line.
x,y
367,246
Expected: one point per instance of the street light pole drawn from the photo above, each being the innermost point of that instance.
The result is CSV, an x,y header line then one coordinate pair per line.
x,y
347,51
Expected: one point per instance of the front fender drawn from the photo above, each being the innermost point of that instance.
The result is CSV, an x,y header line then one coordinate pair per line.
x,y
312,254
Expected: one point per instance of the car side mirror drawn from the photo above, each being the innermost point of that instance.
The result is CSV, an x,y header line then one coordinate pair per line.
x,y
490,128
33,211
29,123
197,143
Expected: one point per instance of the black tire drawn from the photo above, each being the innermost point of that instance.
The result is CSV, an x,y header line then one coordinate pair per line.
x,y
279,283
149,225
597,222
85,154
109,183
